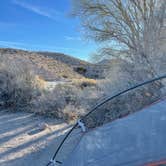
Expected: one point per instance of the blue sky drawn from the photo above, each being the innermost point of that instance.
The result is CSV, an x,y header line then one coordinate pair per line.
x,y
42,25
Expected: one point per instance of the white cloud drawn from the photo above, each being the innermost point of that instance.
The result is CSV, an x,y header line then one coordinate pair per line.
x,y
42,11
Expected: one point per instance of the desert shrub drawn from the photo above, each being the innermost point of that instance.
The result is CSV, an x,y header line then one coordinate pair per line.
x,y
84,82
17,84
66,101
72,113
118,80
81,70
21,89
53,103
124,105
64,76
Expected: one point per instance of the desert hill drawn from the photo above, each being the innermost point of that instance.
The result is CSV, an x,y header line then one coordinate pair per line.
x,y
45,66
53,66
67,59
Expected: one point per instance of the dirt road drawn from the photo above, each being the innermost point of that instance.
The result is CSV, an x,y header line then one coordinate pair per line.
x,y
25,142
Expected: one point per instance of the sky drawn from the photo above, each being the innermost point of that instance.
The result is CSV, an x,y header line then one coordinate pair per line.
x,y
42,25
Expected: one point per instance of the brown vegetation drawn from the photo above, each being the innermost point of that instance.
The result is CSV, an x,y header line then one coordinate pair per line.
x,y
21,89
46,67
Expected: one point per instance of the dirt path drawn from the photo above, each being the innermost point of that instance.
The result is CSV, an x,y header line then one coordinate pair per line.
x,y
24,142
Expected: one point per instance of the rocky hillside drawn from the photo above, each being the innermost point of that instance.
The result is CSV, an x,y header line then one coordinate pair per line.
x,y
47,67
53,66
84,68
56,66
71,61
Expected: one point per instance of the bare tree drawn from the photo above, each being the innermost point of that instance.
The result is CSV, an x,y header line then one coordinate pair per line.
x,y
133,27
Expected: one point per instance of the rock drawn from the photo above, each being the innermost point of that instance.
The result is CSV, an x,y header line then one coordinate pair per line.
x,y
44,126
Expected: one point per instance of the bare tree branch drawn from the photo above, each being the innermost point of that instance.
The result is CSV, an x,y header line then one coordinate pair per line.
x,y
135,24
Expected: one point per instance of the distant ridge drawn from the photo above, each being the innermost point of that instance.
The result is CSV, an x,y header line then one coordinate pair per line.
x,y
72,61
54,66
45,64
